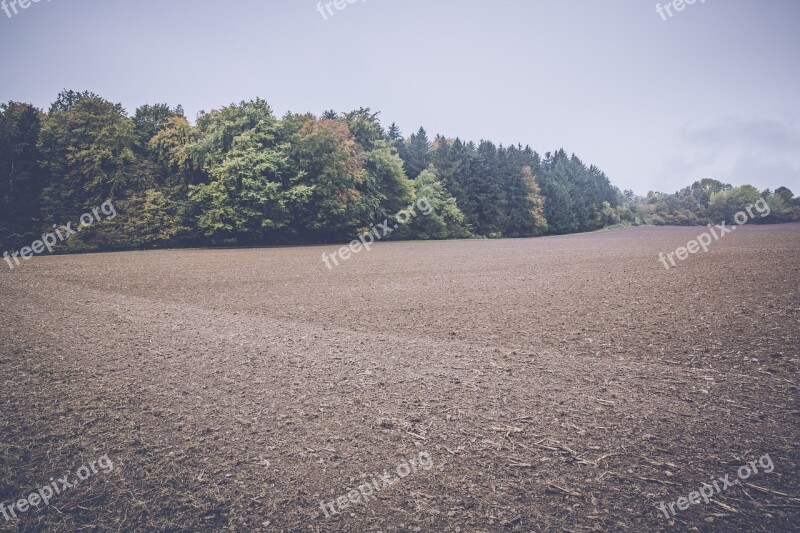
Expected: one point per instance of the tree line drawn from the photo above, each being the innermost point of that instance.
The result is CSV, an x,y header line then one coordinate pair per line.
x,y
242,176
710,201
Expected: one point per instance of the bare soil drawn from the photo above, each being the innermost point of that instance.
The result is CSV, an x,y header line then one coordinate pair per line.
x,y
558,384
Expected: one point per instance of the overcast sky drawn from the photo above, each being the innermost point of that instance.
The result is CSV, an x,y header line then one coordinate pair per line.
x,y
713,91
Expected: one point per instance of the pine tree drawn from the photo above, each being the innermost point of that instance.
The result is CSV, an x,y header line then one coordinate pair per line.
x,y
21,177
417,153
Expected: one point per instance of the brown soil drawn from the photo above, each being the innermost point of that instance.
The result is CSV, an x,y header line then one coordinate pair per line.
x,y
558,384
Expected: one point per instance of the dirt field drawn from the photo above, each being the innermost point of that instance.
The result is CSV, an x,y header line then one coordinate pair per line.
x,y
556,384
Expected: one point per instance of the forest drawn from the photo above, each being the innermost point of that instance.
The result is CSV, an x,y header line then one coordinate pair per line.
x,y
240,176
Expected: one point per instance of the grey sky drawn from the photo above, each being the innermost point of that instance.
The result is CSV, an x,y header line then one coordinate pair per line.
x,y
710,92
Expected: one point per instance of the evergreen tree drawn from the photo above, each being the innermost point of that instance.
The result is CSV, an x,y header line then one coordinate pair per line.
x,y
417,153
21,177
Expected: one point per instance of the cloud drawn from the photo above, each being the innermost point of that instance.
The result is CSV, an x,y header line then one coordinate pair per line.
x,y
759,169
738,132
762,152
